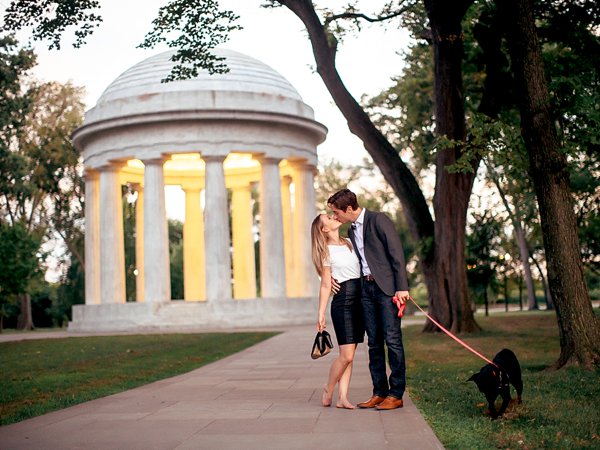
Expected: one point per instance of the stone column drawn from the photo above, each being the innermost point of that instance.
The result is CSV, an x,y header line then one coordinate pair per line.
x,y
272,259
304,213
288,237
139,243
194,283
216,231
244,270
157,274
92,237
112,249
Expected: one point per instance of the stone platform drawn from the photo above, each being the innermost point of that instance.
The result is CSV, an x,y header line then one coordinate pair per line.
x,y
179,315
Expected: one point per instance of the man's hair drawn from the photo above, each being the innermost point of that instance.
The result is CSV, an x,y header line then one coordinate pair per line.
x,y
342,199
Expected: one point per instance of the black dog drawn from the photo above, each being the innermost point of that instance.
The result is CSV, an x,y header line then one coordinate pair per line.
x,y
494,380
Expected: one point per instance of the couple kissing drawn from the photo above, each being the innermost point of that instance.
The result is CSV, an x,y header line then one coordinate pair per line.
x,y
364,272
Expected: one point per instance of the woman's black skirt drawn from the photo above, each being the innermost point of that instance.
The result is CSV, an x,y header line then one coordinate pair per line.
x,y
347,313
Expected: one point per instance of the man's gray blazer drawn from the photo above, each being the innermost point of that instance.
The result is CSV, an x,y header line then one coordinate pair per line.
x,y
383,252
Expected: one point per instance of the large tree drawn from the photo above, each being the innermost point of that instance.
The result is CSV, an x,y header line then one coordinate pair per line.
x,y
578,326
442,241
18,260
40,186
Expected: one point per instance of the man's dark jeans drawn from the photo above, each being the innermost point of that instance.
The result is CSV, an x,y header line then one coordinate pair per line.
x,y
383,327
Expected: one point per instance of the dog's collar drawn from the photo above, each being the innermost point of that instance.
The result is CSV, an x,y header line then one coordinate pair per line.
x,y
503,379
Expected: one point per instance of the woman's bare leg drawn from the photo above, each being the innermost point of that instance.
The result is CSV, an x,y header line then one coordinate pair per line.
x,y
336,371
343,385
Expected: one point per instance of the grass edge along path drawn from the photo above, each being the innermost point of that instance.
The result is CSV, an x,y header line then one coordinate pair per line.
x,y
40,376
559,410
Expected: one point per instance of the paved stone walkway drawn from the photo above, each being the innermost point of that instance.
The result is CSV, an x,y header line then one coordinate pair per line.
x,y
266,397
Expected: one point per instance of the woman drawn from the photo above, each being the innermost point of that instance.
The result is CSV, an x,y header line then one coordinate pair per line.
x,y
334,257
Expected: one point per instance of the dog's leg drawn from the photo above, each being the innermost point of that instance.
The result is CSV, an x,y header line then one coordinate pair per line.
x,y
491,405
518,384
505,401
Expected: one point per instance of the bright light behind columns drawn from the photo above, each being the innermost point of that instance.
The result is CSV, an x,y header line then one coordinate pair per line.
x,y
192,162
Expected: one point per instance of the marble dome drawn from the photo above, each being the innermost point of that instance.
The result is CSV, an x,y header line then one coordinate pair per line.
x,y
249,85
251,109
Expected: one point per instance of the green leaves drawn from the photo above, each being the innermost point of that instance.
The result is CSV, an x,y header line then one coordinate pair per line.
x,y
41,189
195,28
14,100
18,256
50,18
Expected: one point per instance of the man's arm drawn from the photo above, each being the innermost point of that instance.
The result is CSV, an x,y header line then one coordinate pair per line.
x,y
395,252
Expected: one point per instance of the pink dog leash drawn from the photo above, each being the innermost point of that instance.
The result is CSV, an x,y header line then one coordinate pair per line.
x,y
401,307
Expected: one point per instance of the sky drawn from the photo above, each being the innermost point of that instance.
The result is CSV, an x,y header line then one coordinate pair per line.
x,y
274,36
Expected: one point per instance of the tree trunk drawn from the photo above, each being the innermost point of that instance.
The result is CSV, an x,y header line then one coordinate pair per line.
x,y
452,190
521,241
547,295
524,251
444,266
520,292
505,293
25,321
579,329
485,301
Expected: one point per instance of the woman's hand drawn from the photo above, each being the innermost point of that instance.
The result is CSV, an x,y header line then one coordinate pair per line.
x,y
321,322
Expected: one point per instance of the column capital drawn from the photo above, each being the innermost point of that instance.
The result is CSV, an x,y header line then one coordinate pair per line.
x,y
262,159
301,164
214,158
90,173
191,187
112,166
155,161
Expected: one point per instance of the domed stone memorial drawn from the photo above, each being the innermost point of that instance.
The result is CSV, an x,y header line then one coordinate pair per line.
x,y
219,138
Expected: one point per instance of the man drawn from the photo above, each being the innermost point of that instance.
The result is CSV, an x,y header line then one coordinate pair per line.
x,y
384,276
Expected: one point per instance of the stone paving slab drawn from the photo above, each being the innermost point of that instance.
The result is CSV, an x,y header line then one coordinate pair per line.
x,y
266,397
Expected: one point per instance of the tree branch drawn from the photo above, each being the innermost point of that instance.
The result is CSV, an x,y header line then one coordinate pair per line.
x,y
393,169
356,16
9,209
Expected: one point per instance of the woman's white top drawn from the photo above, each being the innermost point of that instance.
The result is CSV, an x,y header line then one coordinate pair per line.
x,y
343,262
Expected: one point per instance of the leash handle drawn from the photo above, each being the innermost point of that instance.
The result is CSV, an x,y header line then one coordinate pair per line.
x,y
464,344
400,306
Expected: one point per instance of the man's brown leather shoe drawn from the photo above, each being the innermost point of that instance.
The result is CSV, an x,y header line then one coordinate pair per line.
x,y
390,403
372,402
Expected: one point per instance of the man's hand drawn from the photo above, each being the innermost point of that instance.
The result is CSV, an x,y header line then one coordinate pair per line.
x,y
335,286
402,296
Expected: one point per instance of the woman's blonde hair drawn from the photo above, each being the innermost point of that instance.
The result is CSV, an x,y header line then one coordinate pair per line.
x,y
320,251
319,244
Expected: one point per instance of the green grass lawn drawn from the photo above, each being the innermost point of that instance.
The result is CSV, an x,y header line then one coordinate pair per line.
x,y
561,409
40,376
